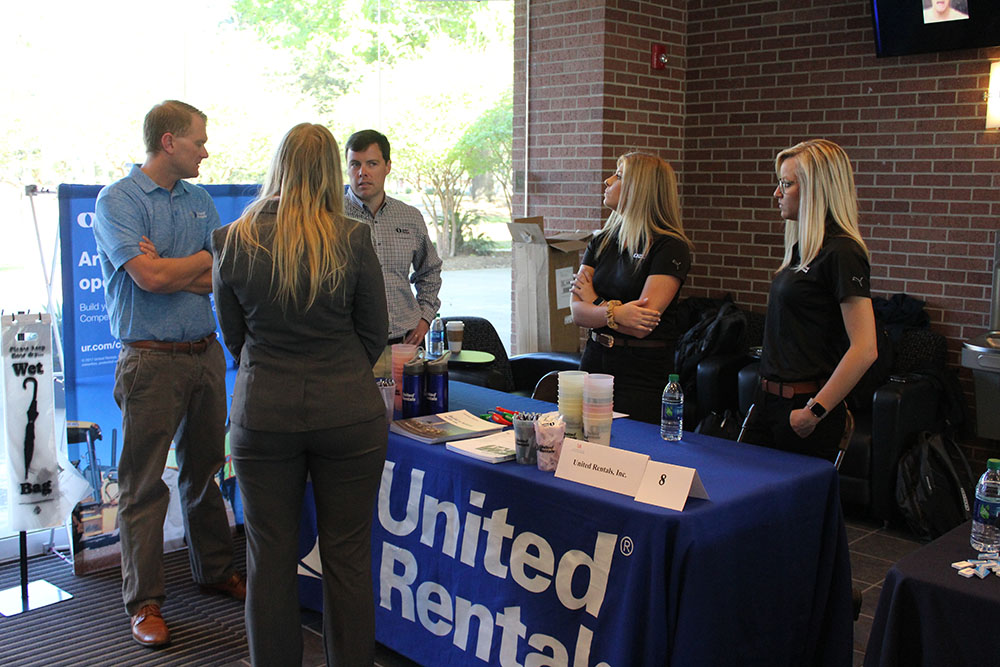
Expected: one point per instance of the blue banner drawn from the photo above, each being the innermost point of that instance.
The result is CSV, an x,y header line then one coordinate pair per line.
x,y
88,346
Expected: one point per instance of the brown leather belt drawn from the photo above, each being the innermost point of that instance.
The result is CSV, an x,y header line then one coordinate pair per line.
x,y
610,341
185,347
396,340
789,389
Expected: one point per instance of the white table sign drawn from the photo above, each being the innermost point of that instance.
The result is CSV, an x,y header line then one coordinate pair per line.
x,y
669,486
605,467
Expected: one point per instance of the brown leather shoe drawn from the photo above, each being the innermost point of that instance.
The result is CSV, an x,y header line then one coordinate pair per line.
x,y
235,587
149,628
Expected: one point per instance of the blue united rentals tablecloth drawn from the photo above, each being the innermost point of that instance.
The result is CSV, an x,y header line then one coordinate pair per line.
x,y
503,564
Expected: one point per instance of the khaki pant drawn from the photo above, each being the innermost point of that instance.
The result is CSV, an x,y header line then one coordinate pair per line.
x,y
163,395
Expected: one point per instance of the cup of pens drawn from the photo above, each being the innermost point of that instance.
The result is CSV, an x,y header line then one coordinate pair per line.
x,y
524,437
550,429
387,387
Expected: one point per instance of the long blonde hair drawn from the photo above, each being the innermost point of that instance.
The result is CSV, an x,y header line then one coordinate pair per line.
x,y
308,246
648,206
826,192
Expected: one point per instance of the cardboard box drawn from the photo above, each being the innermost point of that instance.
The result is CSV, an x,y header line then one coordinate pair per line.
x,y
543,275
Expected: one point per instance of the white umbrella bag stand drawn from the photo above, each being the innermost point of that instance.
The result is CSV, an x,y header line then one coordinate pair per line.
x,y
41,489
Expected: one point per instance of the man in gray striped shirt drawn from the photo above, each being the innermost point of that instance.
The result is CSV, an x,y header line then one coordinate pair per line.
x,y
399,235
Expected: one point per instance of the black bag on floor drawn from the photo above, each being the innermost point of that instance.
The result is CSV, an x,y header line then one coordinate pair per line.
x,y
933,486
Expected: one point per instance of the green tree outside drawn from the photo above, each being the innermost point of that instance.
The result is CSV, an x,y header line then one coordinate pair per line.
x,y
423,73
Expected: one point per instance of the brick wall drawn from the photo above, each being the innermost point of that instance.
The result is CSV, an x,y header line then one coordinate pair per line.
x,y
762,76
566,74
593,96
745,80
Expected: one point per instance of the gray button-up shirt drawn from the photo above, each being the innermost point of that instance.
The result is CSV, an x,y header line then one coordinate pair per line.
x,y
399,235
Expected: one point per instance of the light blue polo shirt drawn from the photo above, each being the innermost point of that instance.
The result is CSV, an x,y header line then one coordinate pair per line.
x,y
179,222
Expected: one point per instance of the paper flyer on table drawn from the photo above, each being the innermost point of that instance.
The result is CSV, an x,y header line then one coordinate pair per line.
x,y
494,448
455,425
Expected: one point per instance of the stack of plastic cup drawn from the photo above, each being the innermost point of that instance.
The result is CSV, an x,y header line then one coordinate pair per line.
x,y
571,401
401,353
598,393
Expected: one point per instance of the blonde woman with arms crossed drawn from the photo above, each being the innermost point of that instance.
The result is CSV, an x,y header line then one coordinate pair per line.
x,y
626,290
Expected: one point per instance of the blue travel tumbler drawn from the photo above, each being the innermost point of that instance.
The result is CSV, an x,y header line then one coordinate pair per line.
x,y
436,385
413,388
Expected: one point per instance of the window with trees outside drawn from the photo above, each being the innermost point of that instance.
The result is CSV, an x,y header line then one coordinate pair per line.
x,y
434,75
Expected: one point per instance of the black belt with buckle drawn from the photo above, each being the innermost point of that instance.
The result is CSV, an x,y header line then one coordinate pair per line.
x,y
609,341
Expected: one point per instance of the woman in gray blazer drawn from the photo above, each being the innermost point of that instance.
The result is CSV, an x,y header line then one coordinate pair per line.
x,y
300,299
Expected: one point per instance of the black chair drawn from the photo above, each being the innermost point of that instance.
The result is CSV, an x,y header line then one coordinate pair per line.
x,y
529,368
89,433
845,439
480,335
547,387
716,375
910,402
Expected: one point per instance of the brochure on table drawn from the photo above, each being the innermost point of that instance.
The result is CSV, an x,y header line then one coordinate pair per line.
x,y
443,427
494,448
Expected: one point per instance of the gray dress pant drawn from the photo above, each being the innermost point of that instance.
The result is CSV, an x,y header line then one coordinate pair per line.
x,y
163,394
345,467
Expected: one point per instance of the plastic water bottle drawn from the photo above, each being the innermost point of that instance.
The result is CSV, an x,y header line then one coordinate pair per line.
x,y
436,342
986,514
672,409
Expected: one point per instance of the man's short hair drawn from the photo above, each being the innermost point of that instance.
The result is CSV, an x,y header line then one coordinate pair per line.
x,y
171,116
360,141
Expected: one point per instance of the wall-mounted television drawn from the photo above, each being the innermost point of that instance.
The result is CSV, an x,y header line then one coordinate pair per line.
x,y
924,26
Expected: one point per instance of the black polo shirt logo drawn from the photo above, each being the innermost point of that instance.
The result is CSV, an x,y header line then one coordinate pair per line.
x,y
860,280
401,230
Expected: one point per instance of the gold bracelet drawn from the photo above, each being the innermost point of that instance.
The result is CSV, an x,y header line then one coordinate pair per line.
x,y
610,315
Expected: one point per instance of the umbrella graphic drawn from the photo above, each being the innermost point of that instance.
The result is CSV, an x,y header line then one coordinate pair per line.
x,y
29,428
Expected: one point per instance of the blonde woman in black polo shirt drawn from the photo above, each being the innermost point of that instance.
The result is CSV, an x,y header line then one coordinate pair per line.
x,y
819,336
627,286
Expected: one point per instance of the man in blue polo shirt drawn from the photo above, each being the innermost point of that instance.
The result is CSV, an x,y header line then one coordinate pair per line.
x,y
154,234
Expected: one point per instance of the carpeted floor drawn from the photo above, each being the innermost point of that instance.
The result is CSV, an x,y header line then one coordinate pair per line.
x,y
93,629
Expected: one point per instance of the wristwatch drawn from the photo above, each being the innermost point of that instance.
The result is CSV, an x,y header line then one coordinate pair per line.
x,y
818,410
598,301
